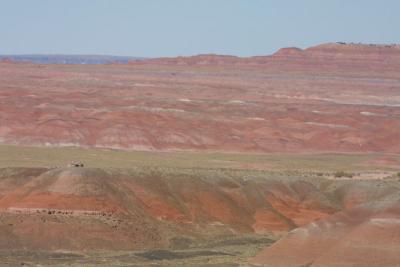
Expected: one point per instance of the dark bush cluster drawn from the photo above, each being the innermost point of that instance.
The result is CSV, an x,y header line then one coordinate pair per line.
x,y
341,174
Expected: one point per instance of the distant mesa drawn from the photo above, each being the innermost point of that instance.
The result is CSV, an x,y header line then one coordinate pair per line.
x,y
313,55
289,51
211,59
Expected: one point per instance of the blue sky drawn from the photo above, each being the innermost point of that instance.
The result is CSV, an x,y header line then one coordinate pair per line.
x,y
153,28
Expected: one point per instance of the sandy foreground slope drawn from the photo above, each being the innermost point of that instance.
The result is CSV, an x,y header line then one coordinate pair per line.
x,y
367,235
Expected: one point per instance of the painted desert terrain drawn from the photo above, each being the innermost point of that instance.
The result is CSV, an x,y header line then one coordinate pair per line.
x,y
332,98
291,159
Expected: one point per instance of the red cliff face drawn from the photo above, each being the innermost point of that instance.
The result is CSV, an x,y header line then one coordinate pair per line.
x,y
332,97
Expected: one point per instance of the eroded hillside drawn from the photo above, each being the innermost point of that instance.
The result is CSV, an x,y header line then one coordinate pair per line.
x,y
228,215
332,97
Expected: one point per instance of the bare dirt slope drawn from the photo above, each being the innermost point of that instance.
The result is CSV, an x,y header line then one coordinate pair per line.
x,y
332,97
367,235
139,210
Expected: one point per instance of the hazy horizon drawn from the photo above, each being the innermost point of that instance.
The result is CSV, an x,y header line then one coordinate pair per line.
x,y
182,28
189,55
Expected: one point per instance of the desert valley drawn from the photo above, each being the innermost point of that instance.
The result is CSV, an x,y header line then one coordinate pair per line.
x,y
291,159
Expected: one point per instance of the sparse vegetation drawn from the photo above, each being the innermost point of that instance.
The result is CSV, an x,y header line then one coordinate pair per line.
x,y
14,156
230,255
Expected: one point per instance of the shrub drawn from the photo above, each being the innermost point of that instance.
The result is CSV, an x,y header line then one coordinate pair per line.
x,y
341,174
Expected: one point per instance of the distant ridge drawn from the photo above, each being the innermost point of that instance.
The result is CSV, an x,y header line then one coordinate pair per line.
x,y
69,59
326,51
333,54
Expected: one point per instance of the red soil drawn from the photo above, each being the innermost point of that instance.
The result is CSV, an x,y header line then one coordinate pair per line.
x,y
330,97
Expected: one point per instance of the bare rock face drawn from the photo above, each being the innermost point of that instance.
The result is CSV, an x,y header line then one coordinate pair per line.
x,y
332,97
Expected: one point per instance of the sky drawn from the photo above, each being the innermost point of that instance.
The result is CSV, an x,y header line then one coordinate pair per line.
x,y
154,28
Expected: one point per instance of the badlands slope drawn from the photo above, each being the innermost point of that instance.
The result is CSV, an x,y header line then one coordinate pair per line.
x,y
225,213
332,97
